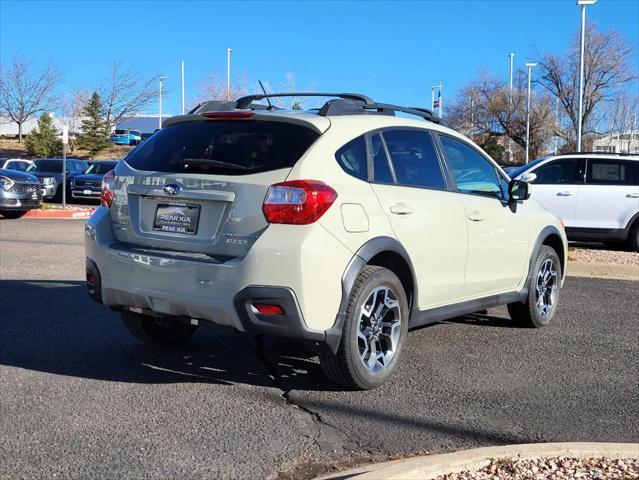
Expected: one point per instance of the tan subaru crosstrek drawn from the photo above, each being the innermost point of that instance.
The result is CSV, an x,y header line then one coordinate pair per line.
x,y
345,226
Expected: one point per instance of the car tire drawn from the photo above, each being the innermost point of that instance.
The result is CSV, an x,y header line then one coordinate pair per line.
x,y
354,366
12,214
150,331
633,238
537,311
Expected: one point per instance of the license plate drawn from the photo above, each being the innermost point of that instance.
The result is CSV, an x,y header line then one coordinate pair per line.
x,y
177,218
86,192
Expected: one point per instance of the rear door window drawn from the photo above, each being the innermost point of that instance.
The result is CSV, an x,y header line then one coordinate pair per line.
x,y
557,172
414,158
235,147
612,172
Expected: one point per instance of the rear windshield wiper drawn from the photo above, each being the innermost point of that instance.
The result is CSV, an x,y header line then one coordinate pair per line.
x,y
206,161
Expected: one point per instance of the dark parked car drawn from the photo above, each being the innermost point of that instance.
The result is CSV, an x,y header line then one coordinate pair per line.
x,y
19,192
49,172
89,185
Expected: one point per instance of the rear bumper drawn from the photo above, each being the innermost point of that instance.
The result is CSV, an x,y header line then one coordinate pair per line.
x,y
300,272
120,141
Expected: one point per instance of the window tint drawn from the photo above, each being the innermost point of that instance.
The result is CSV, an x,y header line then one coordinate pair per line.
x,y
381,169
54,166
414,158
558,172
19,166
352,158
472,172
223,147
612,172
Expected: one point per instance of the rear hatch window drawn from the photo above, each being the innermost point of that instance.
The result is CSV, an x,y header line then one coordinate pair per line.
x,y
216,147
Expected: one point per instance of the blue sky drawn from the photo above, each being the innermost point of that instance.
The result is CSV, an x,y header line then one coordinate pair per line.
x,y
392,51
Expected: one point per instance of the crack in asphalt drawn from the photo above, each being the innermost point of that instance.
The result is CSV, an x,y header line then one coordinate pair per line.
x,y
327,437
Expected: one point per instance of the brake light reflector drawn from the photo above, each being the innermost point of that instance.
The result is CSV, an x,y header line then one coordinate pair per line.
x,y
298,202
106,195
228,115
267,309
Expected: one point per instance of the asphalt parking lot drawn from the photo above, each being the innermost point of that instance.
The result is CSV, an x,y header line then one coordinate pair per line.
x,y
80,398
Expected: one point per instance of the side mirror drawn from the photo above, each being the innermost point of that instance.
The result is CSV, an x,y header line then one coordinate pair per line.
x,y
529,177
518,190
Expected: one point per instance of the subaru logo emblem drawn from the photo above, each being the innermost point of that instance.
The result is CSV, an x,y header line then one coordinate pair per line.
x,y
172,189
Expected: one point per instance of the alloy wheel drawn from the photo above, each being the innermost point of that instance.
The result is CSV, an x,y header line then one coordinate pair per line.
x,y
379,329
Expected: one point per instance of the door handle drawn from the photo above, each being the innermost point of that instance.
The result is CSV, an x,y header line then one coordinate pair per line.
x,y
632,195
564,194
401,209
475,217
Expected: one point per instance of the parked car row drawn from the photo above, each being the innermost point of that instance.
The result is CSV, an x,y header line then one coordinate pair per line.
x,y
19,178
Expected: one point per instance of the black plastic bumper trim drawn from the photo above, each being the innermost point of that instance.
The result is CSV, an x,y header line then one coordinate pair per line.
x,y
291,324
94,289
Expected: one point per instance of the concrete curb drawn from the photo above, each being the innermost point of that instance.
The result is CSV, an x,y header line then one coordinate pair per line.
x,y
429,467
68,214
603,270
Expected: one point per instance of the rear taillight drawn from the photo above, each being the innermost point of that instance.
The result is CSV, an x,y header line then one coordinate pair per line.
x,y
106,196
298,202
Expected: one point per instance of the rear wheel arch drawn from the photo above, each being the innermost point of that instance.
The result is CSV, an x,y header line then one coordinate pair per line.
x,y
384,252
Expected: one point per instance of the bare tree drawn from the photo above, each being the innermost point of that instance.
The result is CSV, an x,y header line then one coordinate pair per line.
x,y
71,108
125,92
214,88
606,70
26,91
483,108
622,118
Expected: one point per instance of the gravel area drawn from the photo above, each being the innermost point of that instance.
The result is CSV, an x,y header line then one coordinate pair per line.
x,y
553,469
605,256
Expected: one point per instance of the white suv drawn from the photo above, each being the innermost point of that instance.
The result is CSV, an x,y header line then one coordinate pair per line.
x,y
595,194
344,226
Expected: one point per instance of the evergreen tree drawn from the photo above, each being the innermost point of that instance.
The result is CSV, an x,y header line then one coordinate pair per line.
x,y
493,148
42,141
93,136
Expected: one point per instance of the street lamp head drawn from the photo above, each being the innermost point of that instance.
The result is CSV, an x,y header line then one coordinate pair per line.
x,y
163,77
585,3
530,65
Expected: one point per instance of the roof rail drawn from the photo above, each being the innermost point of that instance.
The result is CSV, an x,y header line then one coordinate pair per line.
x,y
245,102
623,154
342,104
349,107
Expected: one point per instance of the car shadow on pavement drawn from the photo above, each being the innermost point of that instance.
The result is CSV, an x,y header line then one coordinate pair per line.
x,y
53,326
482,319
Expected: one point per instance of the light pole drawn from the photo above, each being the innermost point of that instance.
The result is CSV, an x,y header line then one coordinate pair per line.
x,y
583,4
529,66
182,87
510,103
162,78
556,124
228,74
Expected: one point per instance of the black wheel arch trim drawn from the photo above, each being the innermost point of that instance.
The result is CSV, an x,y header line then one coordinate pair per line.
x,y
541,238
631,223
365,254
